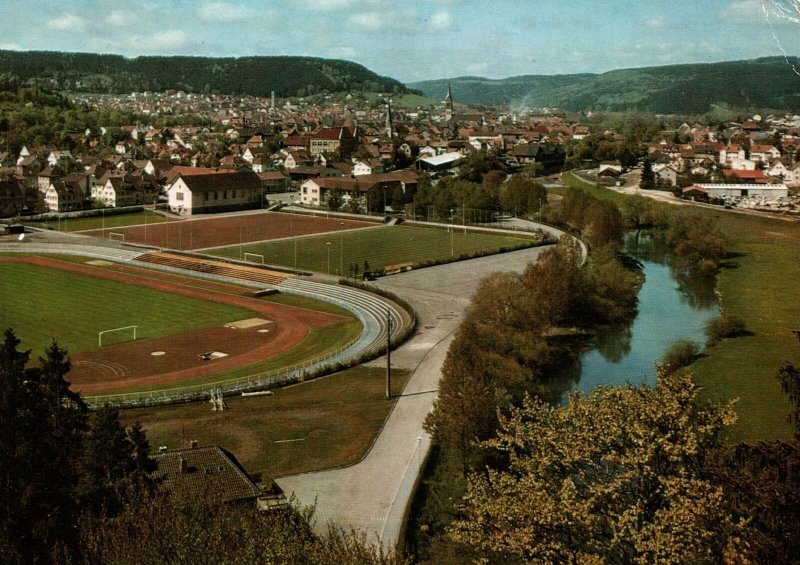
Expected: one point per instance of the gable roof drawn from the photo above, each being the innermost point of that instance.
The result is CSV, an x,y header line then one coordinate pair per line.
x,y
234,180
205,472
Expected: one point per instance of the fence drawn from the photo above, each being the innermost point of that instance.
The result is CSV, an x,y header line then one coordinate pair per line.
x,y
331,360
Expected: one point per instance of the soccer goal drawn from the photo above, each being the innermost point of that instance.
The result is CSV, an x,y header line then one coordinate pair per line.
x,y
122,329
254,258
116,236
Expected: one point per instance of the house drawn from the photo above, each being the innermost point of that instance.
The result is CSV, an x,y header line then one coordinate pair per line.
x,y
372,192
274,181
212,474
12,197
64,196
332,140
667,176
367,167
763,153
756,176
201,192
128,190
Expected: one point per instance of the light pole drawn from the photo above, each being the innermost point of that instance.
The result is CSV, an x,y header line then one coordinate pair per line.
x,y
452,233
341,248
328,245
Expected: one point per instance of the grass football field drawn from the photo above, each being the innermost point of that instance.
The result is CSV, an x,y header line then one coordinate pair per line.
x,y
335,252
43,304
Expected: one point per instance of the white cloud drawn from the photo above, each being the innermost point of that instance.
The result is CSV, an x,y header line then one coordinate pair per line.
x,y
222,12
370,21
67,22
441,20
477,68
121,18
11,46
341,52
656,22
165,42
743,12
324,5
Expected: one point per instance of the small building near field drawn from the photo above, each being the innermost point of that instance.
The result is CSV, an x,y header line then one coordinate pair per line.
x,y
206,191
212,474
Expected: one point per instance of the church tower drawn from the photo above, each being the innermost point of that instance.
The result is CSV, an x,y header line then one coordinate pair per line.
x,y
389,127
448,105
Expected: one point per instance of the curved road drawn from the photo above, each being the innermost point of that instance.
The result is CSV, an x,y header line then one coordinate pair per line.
x,y
372,495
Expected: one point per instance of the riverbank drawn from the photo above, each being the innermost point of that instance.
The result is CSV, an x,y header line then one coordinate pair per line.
x,y
759,283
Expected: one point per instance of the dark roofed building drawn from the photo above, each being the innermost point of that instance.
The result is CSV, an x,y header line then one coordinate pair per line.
x,y
208,473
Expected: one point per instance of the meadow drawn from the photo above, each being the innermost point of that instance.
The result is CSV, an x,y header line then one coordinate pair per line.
x,y
320,424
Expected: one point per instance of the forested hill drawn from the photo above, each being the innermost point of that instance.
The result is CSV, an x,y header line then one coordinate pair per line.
x,y
257,76
766,83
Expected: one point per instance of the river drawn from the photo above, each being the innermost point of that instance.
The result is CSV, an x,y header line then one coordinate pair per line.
x,y
671,308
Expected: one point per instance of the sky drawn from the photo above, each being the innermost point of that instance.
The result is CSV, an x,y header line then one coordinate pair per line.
x,y
413,40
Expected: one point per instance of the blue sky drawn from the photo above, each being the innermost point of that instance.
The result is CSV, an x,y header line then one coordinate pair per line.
x,y
416,40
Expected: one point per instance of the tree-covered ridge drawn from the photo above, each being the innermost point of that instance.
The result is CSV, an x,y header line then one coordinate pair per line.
x,y
765,83
255,76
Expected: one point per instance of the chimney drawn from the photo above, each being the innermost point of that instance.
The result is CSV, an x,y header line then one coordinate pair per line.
x,y
184,467
193,444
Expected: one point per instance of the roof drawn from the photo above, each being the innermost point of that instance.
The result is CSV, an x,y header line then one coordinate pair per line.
x,y
205,472
234,180
443,159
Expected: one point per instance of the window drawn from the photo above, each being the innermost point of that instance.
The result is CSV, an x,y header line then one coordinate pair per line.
x,y
225,195
179,196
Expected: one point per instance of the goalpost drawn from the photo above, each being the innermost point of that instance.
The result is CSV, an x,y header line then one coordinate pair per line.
x,y
102,333
117,236
249,257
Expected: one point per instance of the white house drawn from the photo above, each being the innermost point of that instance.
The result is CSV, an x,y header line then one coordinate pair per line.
x,y
216,191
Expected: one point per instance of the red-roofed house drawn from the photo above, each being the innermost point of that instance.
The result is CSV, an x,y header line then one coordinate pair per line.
x,y
332,140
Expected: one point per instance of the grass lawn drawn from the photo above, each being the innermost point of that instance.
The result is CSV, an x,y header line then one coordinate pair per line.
x,y
762,287
96,223
320,424
388,245
41,304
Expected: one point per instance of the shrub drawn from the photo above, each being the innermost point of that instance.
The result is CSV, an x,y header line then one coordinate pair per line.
x,y
723,327
681,354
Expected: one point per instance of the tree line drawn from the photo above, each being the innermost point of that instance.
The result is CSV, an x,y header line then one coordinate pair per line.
x,y
255,76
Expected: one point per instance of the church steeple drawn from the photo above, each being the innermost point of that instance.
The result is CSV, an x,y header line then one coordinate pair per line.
x,y
448,104
389,125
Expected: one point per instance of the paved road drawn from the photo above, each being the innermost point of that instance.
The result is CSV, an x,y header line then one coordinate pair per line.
x,y
372,495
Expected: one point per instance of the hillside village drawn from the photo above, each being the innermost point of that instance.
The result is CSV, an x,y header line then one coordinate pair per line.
x,y
359,155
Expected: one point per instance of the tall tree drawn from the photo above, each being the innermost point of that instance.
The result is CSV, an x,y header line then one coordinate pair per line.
x,y
615,476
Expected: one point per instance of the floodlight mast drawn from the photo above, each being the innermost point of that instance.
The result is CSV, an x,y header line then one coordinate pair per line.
x,y
388,353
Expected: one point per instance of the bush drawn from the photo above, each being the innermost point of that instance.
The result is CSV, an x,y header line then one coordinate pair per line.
x,y
723,327
681,354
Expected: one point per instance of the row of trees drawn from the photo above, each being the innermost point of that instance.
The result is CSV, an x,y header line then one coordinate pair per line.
x,y
519,194
506,343
77,487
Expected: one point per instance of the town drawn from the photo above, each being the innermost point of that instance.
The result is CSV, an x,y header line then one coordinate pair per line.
x,y
348,153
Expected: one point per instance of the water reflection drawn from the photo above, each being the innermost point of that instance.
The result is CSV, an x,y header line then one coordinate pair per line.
x,y
672,306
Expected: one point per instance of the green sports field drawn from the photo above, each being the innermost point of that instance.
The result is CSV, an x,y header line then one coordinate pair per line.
x,y
41,304
100,222
335,252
